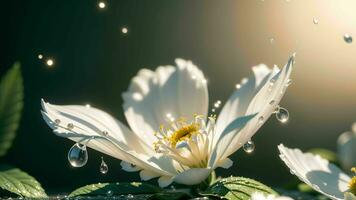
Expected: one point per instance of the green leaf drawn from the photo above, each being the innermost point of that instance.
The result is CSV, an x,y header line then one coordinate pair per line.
x,y
326,154
169,196
16,181
236,188
116,189
11,104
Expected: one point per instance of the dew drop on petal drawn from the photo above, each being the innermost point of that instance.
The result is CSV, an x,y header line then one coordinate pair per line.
x,y
70,126
272,102
348,38
289,81
103,167
282,115
105,133
261,119
271,40
78,155
57,121
249,146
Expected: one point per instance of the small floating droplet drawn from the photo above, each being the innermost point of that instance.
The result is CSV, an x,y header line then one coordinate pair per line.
x,y
249,146
348,38
282,115
103,167
78,155
289,81
124,30
109,193
70,126
88,106
315,21
237,86
40,56
50,62
101,5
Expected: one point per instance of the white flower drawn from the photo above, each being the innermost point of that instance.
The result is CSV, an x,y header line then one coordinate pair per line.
x,y
318,173
261,196
346,145
171,136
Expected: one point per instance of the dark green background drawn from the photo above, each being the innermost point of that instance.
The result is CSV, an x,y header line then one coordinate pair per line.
x,y
94,63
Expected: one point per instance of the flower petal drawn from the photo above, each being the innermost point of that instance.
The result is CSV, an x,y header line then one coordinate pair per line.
x,y
315,171
164,181
346,146
156,97
267,89
86,125
192,176
147,175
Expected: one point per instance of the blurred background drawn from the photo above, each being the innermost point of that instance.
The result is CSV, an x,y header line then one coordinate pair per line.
x,y
97,48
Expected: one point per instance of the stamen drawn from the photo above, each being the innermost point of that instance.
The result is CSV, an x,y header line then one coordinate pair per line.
x,y
352,183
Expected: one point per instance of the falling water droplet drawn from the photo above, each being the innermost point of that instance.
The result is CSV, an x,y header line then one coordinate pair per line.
x,y
103,167
70,126
348,38
78,155
315,21
249,146
282,115
260,119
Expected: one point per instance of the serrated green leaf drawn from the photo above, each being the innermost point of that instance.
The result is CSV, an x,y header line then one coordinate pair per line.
x,y
11,104
116,189
325,153
236,188
16,181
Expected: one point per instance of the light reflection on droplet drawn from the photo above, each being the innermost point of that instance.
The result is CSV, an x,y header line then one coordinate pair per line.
x,y
315,21
271,40
40,56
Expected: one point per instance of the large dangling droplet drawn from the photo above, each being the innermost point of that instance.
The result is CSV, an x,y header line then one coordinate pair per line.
x,y
249,146
282,115
103,167
78,155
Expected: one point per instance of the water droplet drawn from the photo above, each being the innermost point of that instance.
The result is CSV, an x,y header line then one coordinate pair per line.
x,y
40,56
260,119
109,193
249,146
70,126
315,21
101,5
78,155
132,165
124,30
237,86
292,171
103,167
88,106
276,109
348,38
289,81
282,115
50,62
105,133
130,196
57,121
271,40
272,102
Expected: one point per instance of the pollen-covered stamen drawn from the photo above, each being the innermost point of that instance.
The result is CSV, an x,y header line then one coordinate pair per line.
x,y
352,183
186,142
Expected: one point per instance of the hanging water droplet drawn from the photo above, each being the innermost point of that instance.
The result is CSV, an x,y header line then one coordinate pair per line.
x,y
78,155
57,121
103,167
315,21
249,146
70,126
348,38
282,115
109,193
260,119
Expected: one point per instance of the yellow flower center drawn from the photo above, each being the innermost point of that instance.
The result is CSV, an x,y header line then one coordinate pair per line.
x,y
352,183
184,133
